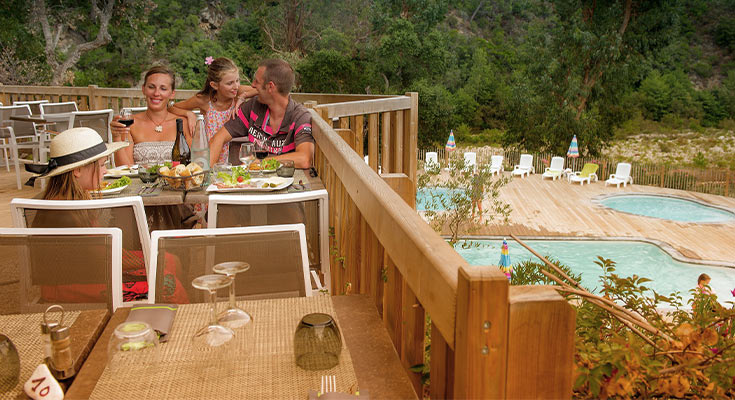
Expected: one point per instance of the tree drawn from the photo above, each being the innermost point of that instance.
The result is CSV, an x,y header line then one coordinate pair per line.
x,y
453,210
65,23
581,61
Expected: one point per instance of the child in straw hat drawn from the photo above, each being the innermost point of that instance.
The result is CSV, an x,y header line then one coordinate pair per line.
x,y
76,167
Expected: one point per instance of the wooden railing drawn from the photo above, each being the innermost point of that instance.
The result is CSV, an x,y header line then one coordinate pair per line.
x,y
720,181
488,340
93,97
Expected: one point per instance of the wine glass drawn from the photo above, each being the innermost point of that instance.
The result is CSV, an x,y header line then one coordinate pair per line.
x,y
126,118
233,316
246,154
214,334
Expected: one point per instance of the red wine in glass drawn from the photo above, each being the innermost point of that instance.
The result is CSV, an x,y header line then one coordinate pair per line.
x,y
126,122
261,154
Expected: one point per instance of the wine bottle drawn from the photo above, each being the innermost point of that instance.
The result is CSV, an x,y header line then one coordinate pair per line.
x,y
180,152
200,145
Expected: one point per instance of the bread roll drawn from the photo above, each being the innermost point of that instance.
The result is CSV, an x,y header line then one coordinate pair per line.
x,y
164,171
179,170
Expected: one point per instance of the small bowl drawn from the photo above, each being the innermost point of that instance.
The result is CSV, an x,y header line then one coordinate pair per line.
x,y
130,336
145,175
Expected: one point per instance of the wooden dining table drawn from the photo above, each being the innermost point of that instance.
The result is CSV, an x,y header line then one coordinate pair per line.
x,y
24,330
258,363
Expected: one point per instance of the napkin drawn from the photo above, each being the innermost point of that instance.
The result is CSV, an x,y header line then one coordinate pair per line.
x,y
159,316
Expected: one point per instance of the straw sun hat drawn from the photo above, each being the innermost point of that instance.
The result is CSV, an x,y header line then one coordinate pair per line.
x,y
71,149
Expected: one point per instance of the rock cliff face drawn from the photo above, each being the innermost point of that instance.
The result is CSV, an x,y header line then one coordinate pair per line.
x,y
211,18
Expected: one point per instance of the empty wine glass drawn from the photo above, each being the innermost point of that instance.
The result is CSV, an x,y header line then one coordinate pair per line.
x,y
246,154
214,334
233,317
126,118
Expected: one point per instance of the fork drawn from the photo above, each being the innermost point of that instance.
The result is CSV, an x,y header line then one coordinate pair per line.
x,y
329,384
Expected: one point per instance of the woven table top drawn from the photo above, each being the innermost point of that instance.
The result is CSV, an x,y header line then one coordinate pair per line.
x,y
258,363
24,330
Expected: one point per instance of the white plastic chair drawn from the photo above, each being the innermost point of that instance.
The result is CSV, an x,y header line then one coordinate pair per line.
x,y
51,256
17,135
496,165
470,160
130,210
525,167
432,160
621,175
317,236
266,271
35,105
554,169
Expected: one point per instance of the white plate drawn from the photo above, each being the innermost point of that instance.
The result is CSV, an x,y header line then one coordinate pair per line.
x,y
122,171
110,191
281,183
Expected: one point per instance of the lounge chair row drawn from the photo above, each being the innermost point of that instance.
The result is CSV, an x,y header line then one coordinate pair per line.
x,y
554,170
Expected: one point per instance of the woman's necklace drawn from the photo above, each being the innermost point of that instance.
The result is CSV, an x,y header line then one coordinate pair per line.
x,y
159,126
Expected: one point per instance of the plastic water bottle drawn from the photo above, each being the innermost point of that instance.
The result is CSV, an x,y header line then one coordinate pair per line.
x,y
200,145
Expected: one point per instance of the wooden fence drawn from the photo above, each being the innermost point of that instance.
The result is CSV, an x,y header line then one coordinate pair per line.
x,y
719,181
94,97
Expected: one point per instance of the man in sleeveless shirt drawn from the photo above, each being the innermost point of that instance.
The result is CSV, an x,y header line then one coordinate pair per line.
x,y
271,118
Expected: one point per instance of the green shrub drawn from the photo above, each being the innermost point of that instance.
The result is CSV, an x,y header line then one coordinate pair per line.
x,y
699,160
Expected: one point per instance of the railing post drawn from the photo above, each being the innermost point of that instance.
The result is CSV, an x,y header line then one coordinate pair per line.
x,y
93,103
540,344
481,336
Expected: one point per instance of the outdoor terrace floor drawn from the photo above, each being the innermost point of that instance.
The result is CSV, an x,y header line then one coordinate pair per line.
x,y
557,208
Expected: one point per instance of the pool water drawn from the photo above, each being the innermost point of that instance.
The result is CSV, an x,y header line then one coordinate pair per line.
x,y
639,258
424,198
667,208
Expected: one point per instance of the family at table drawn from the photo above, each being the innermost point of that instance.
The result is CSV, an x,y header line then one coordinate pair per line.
x,y
269,118
78,156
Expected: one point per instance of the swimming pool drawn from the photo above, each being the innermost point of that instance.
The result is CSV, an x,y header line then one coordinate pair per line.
x,y
631,257
666,207
424,198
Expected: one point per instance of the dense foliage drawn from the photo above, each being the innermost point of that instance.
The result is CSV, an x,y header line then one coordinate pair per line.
x,y
526,73
651,345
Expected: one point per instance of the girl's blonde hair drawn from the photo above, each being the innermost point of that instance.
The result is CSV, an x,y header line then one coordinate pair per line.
x,y
216,70
65,186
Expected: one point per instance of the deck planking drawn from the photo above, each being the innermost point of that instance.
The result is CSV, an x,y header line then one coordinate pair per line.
x,y
560,209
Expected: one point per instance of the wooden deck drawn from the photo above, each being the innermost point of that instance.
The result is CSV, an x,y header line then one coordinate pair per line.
x,y
557,208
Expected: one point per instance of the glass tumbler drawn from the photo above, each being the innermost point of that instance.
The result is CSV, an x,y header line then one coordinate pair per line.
x,y
128,338
317,342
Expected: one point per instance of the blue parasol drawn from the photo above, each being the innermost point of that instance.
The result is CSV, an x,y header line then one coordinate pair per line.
x,y
504,262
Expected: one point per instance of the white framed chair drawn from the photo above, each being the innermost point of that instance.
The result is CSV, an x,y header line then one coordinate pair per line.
x,y
496,165
470,161
310,207
126,213
554,169
99,120
35,105
279,266
621,175
431,160
18,135
525,166
51,269
58,108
